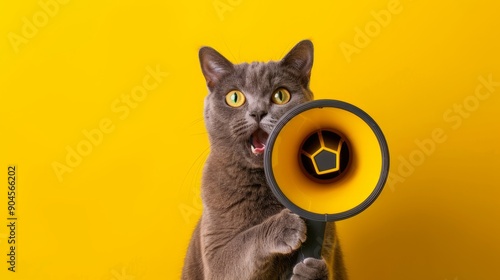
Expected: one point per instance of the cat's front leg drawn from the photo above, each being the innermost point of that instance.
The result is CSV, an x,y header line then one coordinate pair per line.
x,y
285,232
250,254
310,269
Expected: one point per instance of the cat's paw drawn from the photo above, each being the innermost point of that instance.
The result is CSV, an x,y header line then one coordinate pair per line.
x,y
310,269
288,232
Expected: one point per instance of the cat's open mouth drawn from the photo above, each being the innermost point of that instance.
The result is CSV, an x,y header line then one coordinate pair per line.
x,y
258,142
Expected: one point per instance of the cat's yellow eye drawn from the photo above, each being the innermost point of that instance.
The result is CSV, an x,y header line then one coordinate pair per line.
x,y
235,98
281,96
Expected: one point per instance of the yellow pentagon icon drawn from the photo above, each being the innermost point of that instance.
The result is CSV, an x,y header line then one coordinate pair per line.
x,y
324,155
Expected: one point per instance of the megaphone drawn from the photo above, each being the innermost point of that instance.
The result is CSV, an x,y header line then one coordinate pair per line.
x,y
326,160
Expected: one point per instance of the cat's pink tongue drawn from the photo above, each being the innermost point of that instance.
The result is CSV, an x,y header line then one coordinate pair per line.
x,y
259,139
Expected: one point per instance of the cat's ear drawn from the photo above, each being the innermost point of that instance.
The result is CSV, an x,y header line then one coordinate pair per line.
x,y
213,65
301,59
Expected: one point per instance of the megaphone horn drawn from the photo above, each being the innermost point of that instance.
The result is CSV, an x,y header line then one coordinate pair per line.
x,y
326,160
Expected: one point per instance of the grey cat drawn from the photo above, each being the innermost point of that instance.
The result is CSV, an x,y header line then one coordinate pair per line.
x,y
244,232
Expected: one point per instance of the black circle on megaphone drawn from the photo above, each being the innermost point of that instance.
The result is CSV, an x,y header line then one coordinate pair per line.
x,y
322,103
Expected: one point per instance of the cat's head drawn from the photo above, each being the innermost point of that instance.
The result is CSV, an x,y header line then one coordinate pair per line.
x,y
246,100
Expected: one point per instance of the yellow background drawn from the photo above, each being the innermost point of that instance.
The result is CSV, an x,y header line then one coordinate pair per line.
x,y
126,211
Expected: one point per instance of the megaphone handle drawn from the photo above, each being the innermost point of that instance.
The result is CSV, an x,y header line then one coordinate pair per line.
x,y
311,248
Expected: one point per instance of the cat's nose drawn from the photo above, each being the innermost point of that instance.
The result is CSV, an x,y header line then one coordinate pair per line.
x,y
258,115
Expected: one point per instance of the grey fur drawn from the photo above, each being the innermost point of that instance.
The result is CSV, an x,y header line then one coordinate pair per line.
x,y
244,232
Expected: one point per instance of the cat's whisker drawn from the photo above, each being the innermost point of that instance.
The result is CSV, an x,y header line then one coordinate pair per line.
x,y
241,129
195,168
196,121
